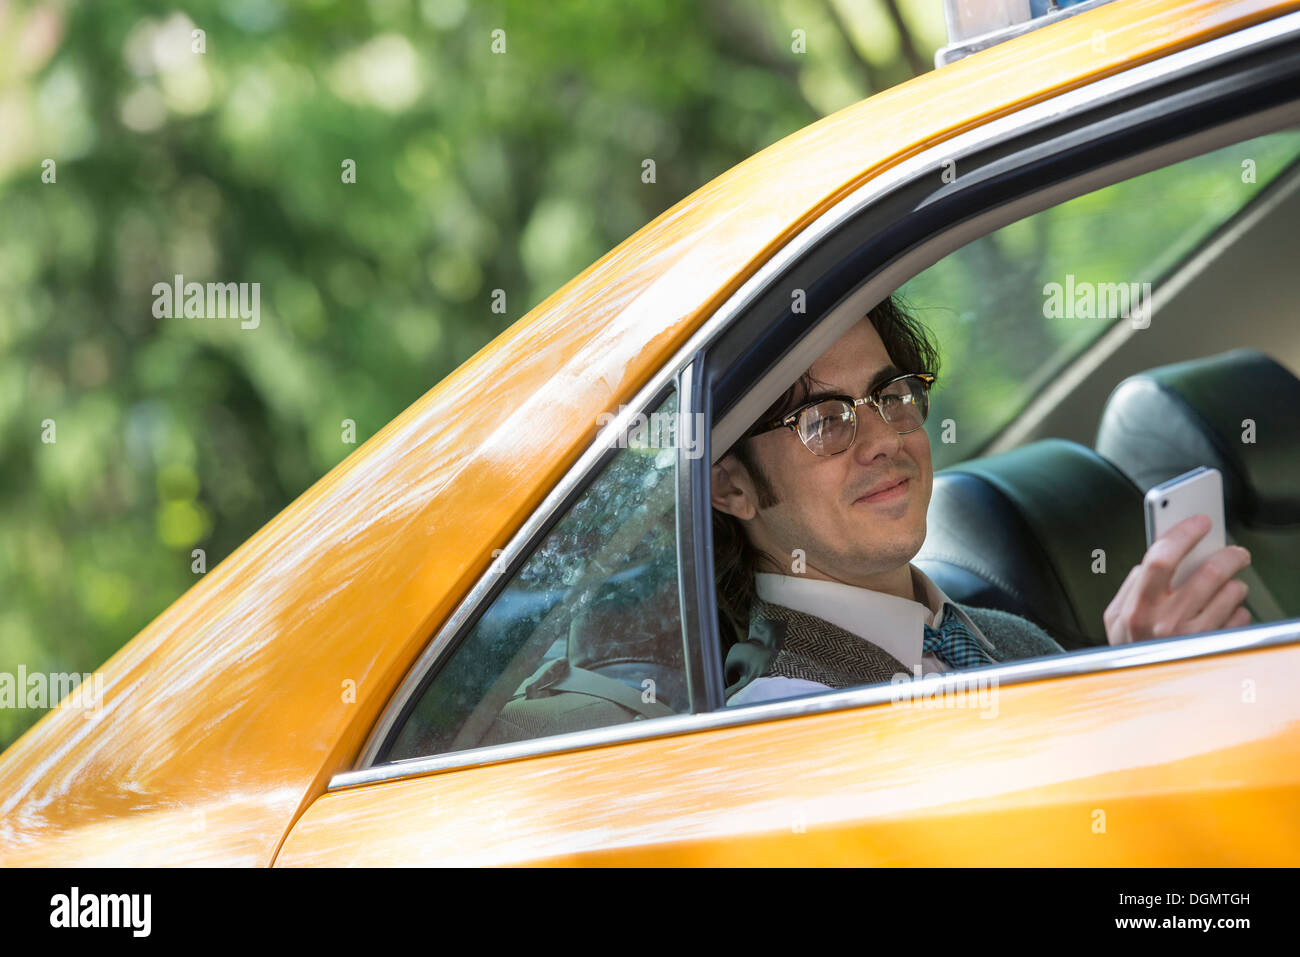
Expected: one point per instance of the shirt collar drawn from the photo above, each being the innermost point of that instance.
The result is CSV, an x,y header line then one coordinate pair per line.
x,y
893,623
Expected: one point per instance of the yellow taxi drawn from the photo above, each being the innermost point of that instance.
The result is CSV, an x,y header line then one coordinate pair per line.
x,y
492,634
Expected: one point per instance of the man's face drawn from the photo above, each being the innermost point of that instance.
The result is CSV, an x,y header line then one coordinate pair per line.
x,y
825,506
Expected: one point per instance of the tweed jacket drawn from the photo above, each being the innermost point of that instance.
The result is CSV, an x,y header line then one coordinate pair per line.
x,y
792,644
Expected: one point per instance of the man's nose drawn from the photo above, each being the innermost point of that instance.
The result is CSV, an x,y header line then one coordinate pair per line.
x,y
875,437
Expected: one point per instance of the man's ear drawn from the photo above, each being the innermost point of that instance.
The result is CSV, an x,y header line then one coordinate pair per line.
x,y
731,490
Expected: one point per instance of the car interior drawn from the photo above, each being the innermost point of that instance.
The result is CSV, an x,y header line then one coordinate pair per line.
x,y
596,682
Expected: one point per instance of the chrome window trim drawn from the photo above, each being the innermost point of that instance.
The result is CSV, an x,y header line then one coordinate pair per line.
x,y
1089,661
929,161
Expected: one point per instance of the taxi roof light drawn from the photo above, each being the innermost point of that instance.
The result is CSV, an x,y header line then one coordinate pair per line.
x,y
975,25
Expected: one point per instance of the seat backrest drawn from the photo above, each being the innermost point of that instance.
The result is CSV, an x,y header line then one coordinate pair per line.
x,y
624,661
1047,531
1238,412
632,634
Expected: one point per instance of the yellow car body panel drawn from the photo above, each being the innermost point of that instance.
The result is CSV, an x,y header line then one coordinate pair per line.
x,y
226,717
1108,768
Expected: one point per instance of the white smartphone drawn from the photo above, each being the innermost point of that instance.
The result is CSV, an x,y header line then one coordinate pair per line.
x,y
1198,492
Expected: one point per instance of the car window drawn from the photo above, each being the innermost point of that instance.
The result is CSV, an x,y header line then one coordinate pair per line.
x,y
587,633
986,302
1019,550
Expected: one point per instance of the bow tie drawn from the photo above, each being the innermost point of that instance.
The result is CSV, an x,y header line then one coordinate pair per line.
x,y
953,643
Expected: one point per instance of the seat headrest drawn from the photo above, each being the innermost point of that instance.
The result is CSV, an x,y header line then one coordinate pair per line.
x,y
1047,531
1238,412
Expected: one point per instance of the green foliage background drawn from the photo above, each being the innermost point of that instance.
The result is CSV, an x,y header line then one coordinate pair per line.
x,y
474,171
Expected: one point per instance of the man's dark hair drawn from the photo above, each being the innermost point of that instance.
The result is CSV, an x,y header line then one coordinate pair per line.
x,y
735,559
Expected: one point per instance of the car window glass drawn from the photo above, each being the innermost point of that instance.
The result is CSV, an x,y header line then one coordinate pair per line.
x,y
588,631
986,302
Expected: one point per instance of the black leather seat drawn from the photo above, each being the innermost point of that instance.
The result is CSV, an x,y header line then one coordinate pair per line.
x,y
1168,420
1019,531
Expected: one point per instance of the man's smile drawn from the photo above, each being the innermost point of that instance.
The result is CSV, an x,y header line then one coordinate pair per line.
x,y
896,489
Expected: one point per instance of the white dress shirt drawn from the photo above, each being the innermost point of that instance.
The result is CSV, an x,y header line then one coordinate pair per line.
x,y
895,624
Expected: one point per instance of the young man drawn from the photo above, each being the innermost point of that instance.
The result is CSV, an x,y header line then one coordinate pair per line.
x,y
821,506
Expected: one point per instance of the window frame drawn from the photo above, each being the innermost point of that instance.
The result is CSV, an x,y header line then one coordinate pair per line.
x,y
451,636
890,228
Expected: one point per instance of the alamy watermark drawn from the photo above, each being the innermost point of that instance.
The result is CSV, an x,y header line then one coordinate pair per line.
x,y
1098,300
659,430
56,690
129,911
946,690
214,300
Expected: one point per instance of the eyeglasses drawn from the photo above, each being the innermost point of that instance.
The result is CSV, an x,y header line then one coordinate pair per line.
x,y
828,426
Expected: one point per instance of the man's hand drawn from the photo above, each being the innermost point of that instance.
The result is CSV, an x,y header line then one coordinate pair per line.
x,y
1146,607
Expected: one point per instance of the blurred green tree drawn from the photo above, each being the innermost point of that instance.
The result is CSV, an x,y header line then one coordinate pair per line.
x,y
216,143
